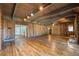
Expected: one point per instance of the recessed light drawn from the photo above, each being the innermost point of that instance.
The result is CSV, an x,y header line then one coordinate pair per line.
x,y
28,17
41,8
25,19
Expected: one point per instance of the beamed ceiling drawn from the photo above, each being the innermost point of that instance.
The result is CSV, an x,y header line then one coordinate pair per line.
x,y
50,13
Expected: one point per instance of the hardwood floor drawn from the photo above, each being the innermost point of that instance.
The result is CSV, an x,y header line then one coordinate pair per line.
x,y
41,46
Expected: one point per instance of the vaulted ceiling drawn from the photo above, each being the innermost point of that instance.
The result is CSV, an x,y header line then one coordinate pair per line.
x,y
50,12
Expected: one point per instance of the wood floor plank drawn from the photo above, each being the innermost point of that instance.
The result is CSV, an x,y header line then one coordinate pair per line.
x,y
41,46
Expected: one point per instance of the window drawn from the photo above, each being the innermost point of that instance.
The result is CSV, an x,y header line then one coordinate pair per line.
x,y
17,29
20,29
23,29
70,28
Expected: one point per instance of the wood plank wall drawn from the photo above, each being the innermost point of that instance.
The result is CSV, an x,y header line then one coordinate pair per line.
x,y
32,29
56,29
36,30
8,28
0,31
61,29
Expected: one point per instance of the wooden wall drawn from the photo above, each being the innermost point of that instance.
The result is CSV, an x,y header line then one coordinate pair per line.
x,y
8,29
0,31
56,29
32,30
61,29
36,30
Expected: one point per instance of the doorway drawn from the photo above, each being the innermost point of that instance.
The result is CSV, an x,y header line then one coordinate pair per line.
x,y
21,31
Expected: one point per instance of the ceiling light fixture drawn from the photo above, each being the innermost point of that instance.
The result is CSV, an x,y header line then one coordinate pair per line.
x,y
25,19
32,14
28,17
41,8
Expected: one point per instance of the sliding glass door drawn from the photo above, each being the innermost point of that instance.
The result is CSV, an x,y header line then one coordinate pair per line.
x,y
21,30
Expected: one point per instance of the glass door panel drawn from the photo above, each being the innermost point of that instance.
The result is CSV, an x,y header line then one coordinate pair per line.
x,y
20,30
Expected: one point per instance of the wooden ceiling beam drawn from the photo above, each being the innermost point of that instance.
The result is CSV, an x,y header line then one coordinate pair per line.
x,y
60,11
47,10
14,6
51,20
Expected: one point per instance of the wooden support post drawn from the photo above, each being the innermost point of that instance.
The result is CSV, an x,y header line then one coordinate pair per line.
x,y
33,30
76,27
50,29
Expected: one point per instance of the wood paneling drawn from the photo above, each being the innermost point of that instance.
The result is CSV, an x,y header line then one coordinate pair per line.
x,y
9,29
76,28
0,29
56,29
62,29
36,30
